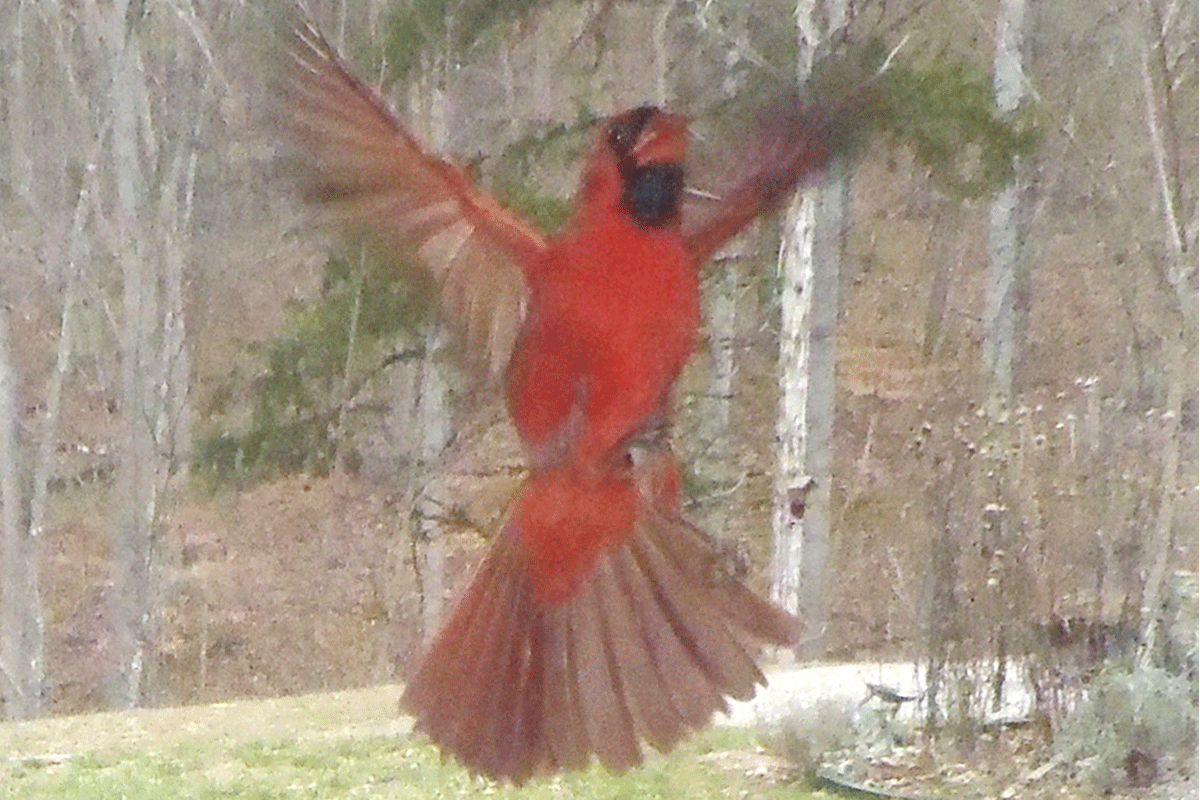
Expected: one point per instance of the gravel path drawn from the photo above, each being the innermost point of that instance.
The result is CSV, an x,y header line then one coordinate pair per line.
x,y
792,689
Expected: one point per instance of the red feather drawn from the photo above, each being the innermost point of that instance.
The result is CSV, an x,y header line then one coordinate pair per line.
x,y
599,621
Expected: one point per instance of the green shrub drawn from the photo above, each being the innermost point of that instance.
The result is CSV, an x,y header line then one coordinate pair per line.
x,y
1128,723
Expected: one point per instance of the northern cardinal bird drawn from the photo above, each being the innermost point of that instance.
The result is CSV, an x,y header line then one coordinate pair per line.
x,y
599,620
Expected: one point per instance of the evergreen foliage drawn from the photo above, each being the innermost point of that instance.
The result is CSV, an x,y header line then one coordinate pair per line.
x,y
944,110
940,107
447,28
372,305
512,168
366,318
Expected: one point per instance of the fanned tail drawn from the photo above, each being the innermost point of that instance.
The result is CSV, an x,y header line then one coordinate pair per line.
x,y
649,644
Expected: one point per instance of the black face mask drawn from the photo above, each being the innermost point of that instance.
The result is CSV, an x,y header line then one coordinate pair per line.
x,y
651,193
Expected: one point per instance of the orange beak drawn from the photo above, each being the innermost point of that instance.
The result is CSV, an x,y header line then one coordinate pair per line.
x,y
663,140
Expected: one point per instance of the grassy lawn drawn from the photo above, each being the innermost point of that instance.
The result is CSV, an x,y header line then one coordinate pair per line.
x,y
340,745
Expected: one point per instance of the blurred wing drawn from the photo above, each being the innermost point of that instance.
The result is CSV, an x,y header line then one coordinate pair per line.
x,y
360,165
794,146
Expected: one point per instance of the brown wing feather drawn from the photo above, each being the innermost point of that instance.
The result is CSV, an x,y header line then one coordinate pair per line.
x,y
566,737
647,693
358,163
794,145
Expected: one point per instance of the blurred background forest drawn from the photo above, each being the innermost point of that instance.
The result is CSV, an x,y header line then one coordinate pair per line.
x,y
233,461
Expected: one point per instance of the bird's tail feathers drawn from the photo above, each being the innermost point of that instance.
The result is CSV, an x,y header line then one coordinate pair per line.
x,y
644,648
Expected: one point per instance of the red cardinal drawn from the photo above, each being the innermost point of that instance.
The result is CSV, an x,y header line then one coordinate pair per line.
x,y
599,620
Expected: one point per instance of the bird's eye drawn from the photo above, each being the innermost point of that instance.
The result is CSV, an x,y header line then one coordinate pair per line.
x,y
624,130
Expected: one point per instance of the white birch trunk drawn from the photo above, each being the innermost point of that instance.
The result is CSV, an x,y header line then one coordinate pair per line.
x,y
14,667
792,482
433,418
432,414
1007,227
16,104
809,268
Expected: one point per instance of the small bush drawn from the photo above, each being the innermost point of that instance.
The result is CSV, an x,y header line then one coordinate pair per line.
x,y
806,734
1129,722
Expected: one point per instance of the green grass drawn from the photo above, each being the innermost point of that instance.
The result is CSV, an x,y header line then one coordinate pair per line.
x,y
340,745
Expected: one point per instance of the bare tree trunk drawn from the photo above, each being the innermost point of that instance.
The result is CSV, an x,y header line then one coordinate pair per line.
x,y
136,496
945,256
661,53
1160,82
810,264
14,662
1008,219
1161,545
62,221
723,320
77,251
432,407
22,652
174,428
25,603
717,462
433,421
17,117
151,227
941,613
23,500
1003,311
1158,93
792,482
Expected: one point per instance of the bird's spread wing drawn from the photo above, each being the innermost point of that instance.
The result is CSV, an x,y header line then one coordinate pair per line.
x,y
359,165
794,144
